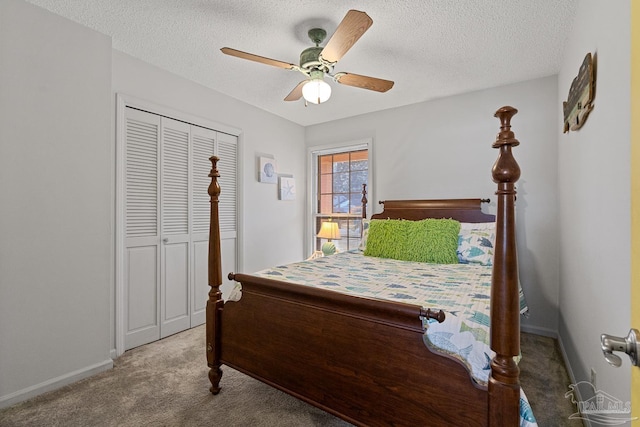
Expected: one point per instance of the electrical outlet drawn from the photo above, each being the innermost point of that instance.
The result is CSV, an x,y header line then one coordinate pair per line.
x,y
593,377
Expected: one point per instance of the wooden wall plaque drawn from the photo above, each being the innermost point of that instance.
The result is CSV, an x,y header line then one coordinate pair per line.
x,y
579,103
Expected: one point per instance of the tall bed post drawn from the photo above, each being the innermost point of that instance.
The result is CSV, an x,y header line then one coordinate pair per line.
x,y
504,385
215,301
364,201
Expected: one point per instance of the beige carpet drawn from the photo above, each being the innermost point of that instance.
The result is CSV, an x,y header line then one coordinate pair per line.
x,y
165,384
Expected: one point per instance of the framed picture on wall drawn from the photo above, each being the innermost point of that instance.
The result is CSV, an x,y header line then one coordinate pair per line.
x,y
287,188
267,172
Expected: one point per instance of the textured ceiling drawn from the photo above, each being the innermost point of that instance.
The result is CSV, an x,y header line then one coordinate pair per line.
x,y
430,48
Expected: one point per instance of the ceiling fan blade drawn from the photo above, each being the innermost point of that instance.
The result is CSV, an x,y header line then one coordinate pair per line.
x,y
352,27
296,93
257,58
364,82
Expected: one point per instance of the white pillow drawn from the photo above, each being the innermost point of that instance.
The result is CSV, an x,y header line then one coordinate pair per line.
x,y
365,234
478,226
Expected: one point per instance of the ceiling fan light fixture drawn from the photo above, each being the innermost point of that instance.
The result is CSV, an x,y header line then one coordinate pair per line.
x,y
317,62
316,91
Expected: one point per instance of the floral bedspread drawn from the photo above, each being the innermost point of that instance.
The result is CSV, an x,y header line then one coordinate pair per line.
x,y
462,291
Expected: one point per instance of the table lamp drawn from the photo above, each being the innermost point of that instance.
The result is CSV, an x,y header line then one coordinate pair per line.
x,y
329,231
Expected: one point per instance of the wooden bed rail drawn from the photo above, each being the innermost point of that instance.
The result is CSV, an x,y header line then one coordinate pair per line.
x,y
504,384
398,314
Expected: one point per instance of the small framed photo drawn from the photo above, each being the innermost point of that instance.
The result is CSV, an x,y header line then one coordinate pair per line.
x,y
268,172
287,188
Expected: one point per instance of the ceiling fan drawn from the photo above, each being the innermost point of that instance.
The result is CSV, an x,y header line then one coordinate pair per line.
x,y
318,62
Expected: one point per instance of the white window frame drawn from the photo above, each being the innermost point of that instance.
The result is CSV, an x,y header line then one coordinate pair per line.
x,y
312,181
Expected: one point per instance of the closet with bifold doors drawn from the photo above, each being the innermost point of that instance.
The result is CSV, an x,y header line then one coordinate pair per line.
x,y
165,222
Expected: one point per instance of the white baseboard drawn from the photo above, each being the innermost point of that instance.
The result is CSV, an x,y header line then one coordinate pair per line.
x,y
572,378
563,352
54,383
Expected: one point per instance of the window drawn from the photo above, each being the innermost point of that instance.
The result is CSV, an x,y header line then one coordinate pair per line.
x,y
339,175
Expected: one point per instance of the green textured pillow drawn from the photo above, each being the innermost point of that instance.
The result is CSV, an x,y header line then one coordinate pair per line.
x,y
428,240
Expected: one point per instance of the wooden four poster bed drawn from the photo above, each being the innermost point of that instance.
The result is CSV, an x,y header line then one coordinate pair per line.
x,y
363,359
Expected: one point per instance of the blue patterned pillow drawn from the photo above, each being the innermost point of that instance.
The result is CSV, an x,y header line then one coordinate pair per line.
x,y
476,242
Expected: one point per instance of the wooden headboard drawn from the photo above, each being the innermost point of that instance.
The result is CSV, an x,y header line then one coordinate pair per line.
x,y
463,210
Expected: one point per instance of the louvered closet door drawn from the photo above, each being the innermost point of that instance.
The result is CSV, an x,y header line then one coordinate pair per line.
x,y
166,223
141,258
203,143
227,150
174,298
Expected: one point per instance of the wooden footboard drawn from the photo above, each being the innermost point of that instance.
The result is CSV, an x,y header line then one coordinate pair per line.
x,y
361,359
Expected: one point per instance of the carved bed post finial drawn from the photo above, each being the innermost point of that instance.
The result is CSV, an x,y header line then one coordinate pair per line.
x,y
364,201
215,302
504,385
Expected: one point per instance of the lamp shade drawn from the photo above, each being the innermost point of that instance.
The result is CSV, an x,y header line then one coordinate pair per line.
x,y
316,91
329,230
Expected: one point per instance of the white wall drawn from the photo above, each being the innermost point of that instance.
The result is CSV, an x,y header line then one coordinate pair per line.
x,y
57,170
55,201
594,197
442,149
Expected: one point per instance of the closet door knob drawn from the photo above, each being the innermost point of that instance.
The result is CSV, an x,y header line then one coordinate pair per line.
x,y
165,240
